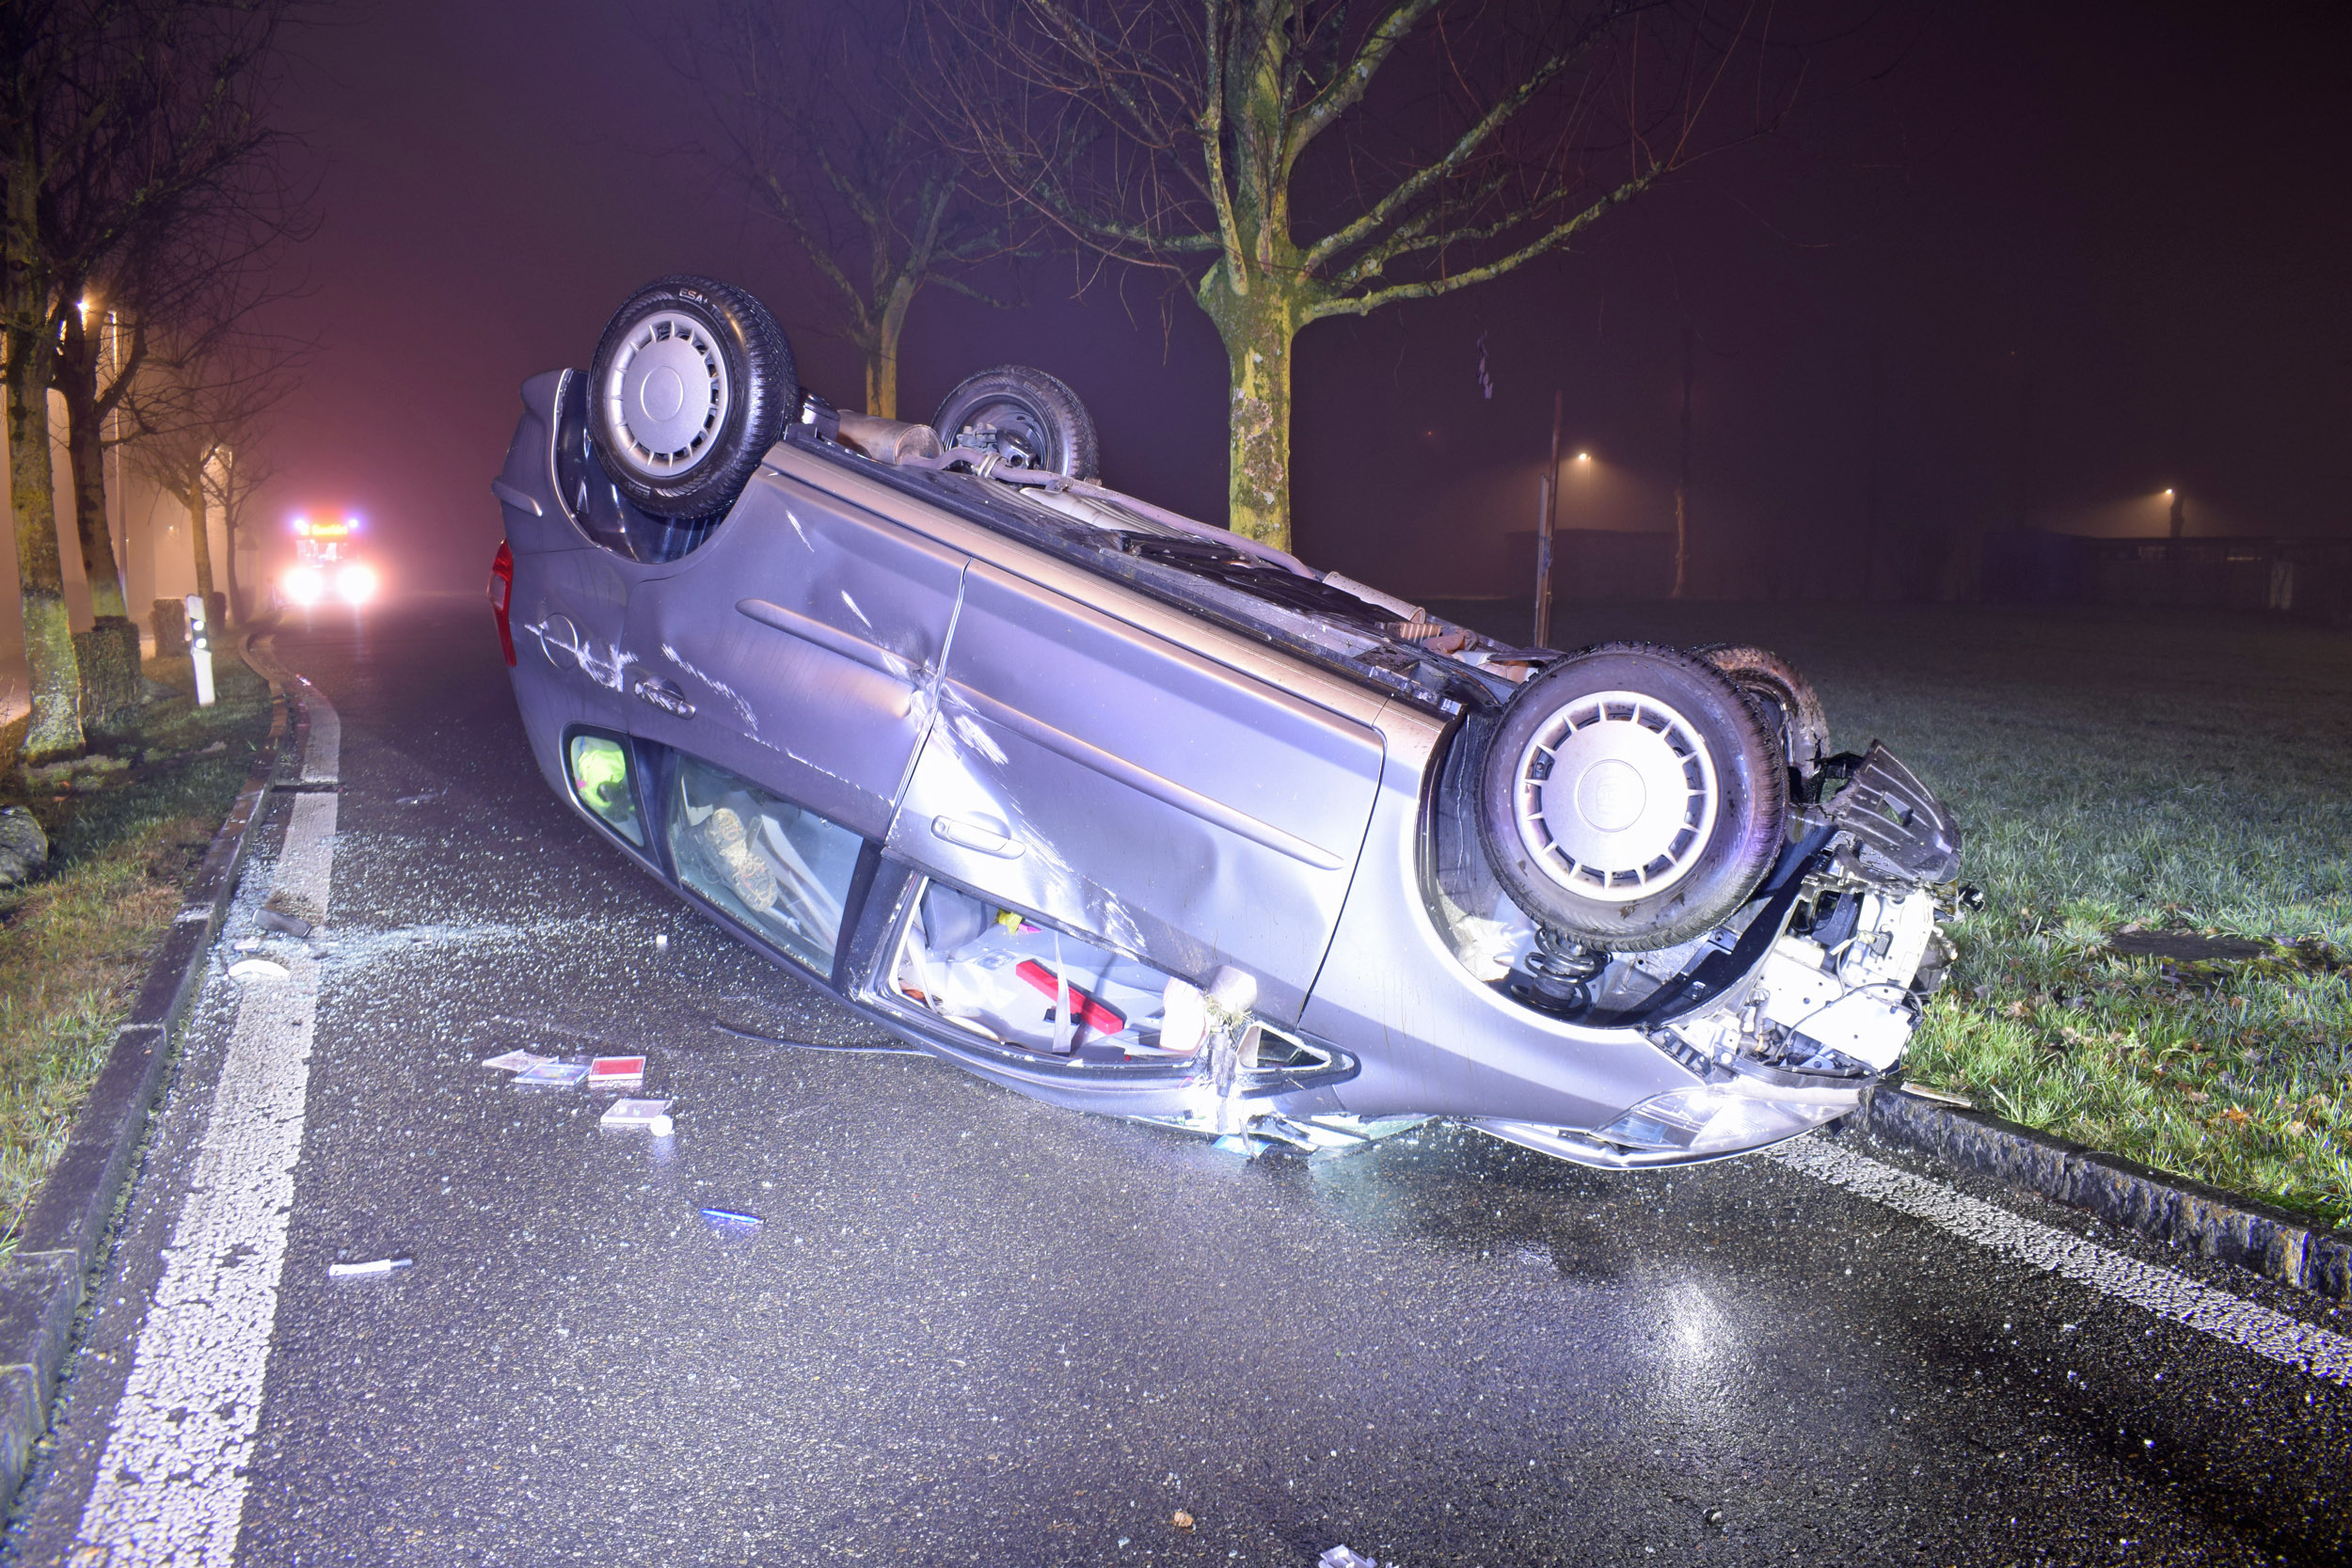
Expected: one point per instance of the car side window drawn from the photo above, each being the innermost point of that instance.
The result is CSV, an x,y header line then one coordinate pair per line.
x,y
781,869
596,504
600,769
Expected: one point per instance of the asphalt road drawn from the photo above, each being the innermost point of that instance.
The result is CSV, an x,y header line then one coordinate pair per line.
x,y
973,1329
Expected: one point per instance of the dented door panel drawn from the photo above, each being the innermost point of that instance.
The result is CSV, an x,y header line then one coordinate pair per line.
x,y
798,648
1117,782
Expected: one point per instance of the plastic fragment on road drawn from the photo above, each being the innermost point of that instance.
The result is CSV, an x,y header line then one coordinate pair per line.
x,y
374,1268
616,1072
1183,1520
635,1113
257,969
278,920
553,1074
515,1061
1234,1142
731,1219
1339,1557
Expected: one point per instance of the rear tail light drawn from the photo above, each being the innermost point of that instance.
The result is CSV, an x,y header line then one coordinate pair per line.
x,y
502,593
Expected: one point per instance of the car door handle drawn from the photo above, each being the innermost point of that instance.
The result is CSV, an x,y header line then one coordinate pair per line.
x,y
666,695
989,837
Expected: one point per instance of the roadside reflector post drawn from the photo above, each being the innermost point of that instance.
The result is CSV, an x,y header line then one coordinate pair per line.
x,y
200,651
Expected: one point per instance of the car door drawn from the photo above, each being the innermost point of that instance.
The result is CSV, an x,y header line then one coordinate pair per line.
x,y
567,610
798,649
1132,788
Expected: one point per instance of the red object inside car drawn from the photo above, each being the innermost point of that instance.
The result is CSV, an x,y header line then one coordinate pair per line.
x,y
502,591
1083,1008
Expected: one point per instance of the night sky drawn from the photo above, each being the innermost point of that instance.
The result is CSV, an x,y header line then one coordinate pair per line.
x,y
2094,249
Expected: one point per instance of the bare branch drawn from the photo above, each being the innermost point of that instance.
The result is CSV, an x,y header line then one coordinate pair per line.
x,y
1550,238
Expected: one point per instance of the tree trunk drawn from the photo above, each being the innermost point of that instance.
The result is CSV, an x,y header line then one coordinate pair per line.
x,y
108,653
56,727
201,533
85,446
1258,327
882,355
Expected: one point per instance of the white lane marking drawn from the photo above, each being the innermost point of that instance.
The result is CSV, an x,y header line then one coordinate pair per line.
x,y
171,1483
325,750
2160,1291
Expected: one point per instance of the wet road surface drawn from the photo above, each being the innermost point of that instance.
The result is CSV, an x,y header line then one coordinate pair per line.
x,y
974,1329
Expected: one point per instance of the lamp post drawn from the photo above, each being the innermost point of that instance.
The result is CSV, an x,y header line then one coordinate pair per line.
x,y
2180,512
1548,500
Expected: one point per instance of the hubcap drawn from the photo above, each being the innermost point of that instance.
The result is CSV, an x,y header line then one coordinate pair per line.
x,y
1616,795
667,395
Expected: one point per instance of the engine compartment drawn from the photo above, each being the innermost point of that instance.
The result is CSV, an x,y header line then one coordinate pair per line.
x,y
1817,980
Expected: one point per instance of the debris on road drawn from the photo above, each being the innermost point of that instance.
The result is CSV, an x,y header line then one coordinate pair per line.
x,y
812,1045
635,1113
278,920
246,969
662,941
1339,1557
515,1061
616,1072
370,1269
732,1219
563,1076
1183,1520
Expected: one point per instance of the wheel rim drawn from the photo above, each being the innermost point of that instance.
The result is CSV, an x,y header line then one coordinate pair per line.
x,y
666,395
1012,431
1616,796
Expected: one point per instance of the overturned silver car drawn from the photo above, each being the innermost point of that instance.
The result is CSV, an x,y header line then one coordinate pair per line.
x,y
1127,812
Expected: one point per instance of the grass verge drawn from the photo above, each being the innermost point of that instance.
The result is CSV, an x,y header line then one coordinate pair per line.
x,y
2121,776
76,941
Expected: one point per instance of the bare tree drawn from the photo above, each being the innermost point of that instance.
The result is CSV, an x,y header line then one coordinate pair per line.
x,y
183,202
51,107
1288,161
810,97
241,467
201,412
119,117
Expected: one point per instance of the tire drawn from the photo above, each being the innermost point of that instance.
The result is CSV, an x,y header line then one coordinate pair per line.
x,y
1786,698
691,383
1029,420
1678,804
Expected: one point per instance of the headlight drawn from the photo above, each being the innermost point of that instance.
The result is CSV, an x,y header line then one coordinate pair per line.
x,y
303,585
356,583
1705,1120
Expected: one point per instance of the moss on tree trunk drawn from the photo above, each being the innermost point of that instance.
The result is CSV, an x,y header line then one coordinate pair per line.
x,y
1258,320
56,727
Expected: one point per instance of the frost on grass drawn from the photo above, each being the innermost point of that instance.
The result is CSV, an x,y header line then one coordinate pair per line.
x,y
2161,771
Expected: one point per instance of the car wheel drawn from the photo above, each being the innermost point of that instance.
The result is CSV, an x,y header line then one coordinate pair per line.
x,y
1631,797
692,383
1029,420
1787,700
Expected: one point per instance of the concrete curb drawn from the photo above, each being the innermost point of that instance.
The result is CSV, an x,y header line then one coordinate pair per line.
x,y
2151,1203
41,1286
